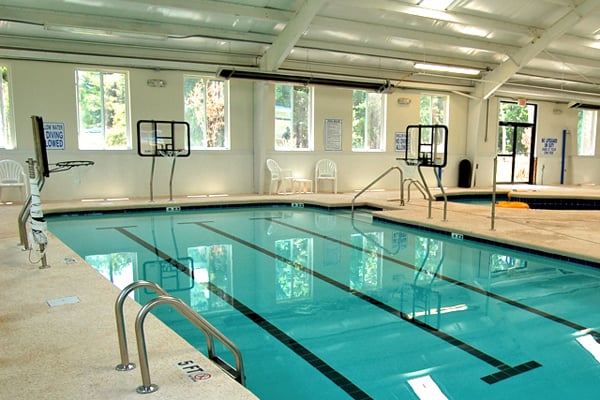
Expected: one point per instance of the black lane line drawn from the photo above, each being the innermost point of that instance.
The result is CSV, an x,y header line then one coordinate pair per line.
x,y
338,379
456,282
506,371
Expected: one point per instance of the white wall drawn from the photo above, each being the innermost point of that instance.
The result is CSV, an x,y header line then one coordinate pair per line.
x,y
48,90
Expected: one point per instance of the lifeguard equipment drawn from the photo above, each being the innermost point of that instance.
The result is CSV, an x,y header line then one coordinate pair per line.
x,y
512,204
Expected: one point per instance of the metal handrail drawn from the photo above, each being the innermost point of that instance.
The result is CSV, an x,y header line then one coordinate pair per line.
x,y
209,331
417,184
429,196
377,180
121,334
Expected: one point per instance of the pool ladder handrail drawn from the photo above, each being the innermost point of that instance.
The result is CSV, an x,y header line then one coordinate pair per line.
x,y
429,196
377,180
210,332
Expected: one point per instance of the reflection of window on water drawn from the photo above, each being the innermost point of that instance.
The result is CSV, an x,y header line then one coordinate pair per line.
x,y
292,283
212,264
116,267
429,258
502,263
366,264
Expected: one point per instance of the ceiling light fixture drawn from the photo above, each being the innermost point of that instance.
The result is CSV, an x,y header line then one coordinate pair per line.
x,y
104,32
435,4
447,68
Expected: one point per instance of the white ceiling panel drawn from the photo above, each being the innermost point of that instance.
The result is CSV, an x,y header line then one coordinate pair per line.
x,y
374,39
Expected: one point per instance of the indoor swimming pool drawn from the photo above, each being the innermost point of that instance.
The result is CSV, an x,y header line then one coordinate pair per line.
x,y
326,306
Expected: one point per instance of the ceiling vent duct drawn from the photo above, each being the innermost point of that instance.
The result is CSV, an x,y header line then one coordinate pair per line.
x,y
379,87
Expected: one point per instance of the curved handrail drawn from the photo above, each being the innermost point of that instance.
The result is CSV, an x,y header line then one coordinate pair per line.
x,y
429,196
122,336
377,180
209,331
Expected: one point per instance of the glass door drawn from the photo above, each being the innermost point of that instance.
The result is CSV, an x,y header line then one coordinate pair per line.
x,y
515,144
515,161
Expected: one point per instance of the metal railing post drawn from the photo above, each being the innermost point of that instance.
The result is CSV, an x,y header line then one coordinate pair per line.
x,y
209,331
494,194
125,365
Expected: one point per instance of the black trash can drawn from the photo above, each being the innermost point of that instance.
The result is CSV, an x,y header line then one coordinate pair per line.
x,y
464,174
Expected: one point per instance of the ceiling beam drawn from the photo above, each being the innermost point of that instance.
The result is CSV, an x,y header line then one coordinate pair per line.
x,y
500,75
285,42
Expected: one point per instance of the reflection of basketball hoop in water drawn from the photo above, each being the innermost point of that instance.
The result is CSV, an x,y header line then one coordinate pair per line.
x,y
169,139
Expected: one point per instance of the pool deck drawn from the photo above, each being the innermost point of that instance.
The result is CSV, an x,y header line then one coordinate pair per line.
x,y
69,351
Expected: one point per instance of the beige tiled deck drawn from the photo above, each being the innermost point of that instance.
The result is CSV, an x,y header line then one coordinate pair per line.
x,y
69,351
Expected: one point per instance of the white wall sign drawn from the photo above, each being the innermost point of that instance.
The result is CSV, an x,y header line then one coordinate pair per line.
x,y
333,134
549,146
55,135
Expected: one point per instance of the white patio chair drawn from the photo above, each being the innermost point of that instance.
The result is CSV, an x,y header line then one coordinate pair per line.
x,y
13,175
282,178
325,169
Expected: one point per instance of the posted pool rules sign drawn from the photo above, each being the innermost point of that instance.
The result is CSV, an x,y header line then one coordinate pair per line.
x,y
55,135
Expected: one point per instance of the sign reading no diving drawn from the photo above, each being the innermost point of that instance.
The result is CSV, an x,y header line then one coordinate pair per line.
x,y
55,135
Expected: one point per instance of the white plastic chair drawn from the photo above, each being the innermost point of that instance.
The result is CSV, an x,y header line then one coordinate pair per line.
x,y
283,178
12,174
325,170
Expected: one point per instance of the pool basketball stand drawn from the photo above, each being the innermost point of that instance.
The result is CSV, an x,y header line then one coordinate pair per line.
x,y
170,139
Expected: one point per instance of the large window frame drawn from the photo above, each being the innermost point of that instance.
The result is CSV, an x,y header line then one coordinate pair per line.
x,y
206,107
7,131
103,109
368,121
293,120
587,127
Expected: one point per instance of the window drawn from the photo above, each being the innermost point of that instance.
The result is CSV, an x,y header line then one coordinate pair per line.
x,y
433,110
6,120
291,281
103,110
205,110
293,117
368,116
586,132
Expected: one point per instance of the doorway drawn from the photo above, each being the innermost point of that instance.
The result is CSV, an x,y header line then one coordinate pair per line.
x,y
516,143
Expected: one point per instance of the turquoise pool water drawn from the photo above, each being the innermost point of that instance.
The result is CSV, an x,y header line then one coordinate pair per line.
x,y
326,307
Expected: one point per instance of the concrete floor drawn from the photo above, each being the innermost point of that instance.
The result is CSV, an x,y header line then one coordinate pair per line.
x,y
69,351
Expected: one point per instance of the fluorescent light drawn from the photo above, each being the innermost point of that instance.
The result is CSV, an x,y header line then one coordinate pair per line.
x,y
435,4
426,389
79,30
447,68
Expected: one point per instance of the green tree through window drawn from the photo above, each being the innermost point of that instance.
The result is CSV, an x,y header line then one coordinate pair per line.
x,y
205,110
587,121
103,110
293,117
367,121
6,123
